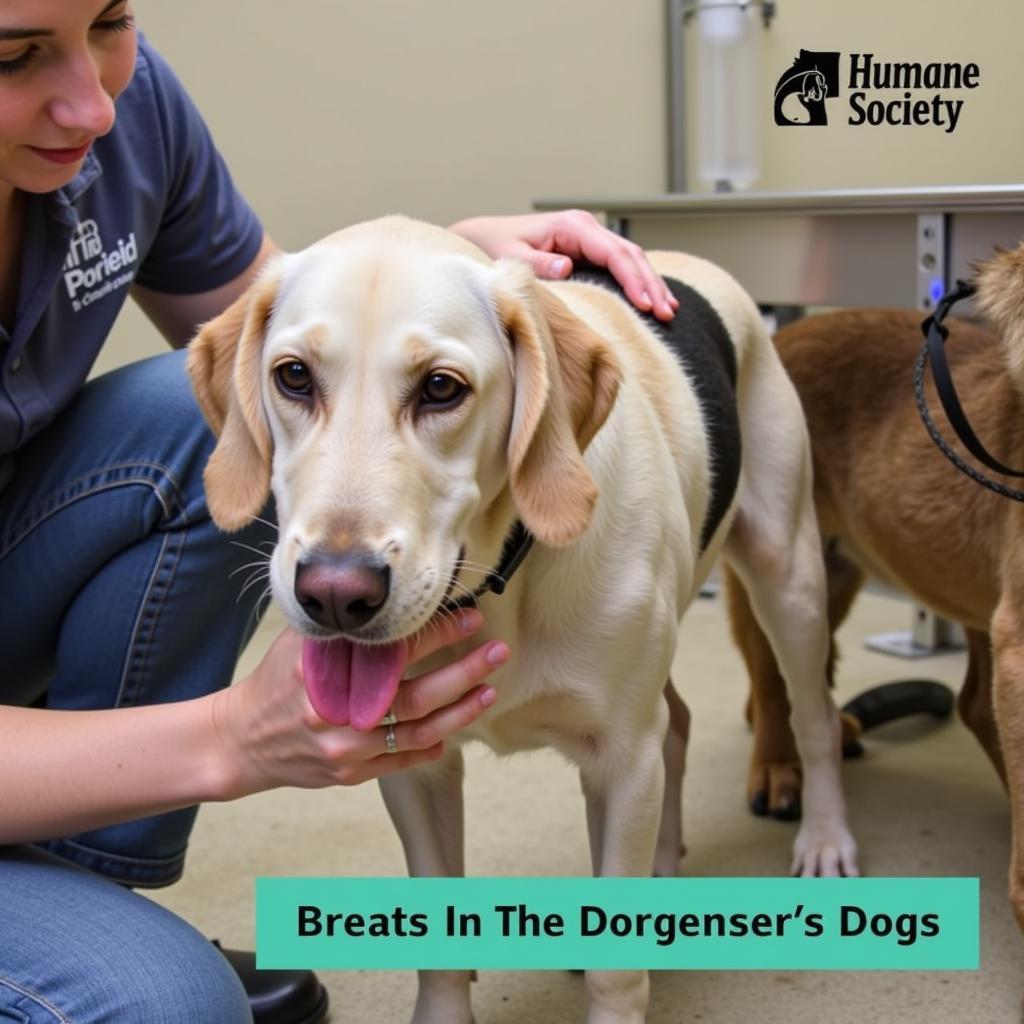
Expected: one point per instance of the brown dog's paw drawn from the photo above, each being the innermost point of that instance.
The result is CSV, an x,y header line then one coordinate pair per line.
x,y
852,732
773,790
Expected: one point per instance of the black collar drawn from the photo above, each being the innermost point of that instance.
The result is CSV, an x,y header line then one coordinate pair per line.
x,y
516,547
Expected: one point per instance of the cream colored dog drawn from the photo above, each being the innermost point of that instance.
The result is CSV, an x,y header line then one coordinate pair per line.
x,y
408,401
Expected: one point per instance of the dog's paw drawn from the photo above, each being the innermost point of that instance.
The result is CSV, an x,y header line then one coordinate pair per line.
x,y
825,851
666,860
773,790
440,1015
442,997
852,733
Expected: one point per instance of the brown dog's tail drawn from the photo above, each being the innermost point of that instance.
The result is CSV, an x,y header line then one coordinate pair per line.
x,y
1000,299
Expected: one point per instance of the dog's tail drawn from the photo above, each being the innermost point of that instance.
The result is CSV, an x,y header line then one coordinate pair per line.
x,y
1000,300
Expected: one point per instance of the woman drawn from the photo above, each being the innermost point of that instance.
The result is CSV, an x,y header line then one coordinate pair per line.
x,y
119,596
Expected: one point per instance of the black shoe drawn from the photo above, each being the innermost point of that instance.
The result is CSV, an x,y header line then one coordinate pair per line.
x,y
278,997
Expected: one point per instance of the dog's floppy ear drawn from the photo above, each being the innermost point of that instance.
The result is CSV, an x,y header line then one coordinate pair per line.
x,y
224,365
566,380
1001,300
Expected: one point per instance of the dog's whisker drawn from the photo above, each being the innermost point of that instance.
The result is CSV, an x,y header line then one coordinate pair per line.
x,y
266,593
486,573
462,563
266,522
256,578
249,547
446,614
265,599
478,572
248,586
261,569
248,565
466,592
256,570
459,585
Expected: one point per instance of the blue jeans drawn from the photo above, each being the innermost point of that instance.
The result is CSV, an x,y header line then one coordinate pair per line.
x,y
116,588
77,948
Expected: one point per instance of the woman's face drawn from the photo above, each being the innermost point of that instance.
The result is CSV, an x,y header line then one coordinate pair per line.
x,y
62,64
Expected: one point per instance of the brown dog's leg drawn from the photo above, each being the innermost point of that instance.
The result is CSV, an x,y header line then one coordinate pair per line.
x,y
774,778
1008,693
975,700
845,579
670,833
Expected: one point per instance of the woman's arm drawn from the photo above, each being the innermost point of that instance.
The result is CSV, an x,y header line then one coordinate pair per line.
x,y
67,771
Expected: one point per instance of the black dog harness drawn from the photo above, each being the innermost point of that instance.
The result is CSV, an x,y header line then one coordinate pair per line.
x,y
936,333
701,344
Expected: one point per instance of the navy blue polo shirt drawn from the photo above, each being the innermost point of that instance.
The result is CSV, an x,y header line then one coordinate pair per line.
x,y
153,203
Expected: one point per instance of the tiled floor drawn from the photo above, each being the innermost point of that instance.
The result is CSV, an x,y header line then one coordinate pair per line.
x,y
923,801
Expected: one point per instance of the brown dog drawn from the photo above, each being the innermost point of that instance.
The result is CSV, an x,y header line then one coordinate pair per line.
x,y
890,505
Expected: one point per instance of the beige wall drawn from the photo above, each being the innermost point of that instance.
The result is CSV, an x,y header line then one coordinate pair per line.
x,y
331,111
988,144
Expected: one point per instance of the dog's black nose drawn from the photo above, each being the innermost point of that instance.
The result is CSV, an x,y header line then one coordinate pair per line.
x,y
342,592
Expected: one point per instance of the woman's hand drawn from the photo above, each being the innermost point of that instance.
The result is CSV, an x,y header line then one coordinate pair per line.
x,y
549,242
272,736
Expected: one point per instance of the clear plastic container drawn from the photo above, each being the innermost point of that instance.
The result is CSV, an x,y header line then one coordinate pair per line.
x,y
729,102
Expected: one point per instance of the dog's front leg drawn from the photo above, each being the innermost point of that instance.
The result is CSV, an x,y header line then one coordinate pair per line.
x,y
624,800
426,806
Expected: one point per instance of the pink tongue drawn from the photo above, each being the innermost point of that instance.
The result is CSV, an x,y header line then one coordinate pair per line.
x,y
352,684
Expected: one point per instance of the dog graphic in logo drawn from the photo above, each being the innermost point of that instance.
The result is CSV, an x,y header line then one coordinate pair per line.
x,y
802,90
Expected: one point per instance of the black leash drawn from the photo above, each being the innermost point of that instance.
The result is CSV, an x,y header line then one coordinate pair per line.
x,y
936,333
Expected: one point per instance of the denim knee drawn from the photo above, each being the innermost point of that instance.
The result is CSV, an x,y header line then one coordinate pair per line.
x,y
186,981
178,983
175,984
122,958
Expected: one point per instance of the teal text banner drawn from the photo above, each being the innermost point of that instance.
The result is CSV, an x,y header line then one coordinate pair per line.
x,y
617,923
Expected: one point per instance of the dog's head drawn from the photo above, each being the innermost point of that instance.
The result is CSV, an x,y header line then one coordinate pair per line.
x,y
405,399
1000,299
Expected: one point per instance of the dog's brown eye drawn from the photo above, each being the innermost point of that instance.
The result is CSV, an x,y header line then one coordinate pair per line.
x,y
294,379
441,390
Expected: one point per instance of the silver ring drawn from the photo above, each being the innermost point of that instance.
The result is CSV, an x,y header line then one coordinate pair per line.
x,y
389,740
389,719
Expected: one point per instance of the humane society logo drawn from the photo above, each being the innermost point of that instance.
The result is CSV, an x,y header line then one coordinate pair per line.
x,y
803,89
92,269
897,93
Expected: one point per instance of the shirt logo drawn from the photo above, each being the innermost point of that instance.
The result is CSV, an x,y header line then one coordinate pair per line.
x,y
92,270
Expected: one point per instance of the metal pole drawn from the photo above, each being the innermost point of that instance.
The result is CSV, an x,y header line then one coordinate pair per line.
x,y
675,108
